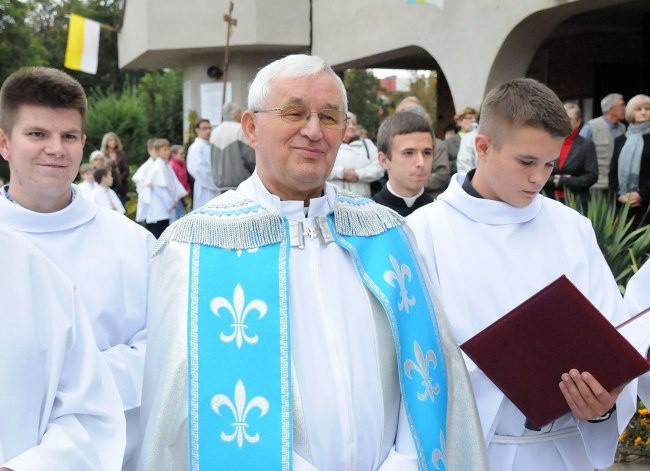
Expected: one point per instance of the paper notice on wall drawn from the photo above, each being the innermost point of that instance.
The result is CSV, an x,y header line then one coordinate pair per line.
x,y
212,99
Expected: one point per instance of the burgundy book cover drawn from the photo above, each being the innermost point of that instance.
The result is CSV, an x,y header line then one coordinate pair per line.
x,y
526,351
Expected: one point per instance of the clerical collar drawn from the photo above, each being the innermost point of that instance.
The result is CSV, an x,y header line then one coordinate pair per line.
x,y
468,187
254,189
409,200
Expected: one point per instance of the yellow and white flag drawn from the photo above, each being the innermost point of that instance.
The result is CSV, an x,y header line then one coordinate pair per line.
x,y
82,50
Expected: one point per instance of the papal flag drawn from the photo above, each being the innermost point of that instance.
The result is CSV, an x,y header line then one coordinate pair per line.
x,y
438,3
82,50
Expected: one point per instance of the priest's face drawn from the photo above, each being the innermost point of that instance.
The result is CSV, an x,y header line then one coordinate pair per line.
x,y
517,170
44,151
294,159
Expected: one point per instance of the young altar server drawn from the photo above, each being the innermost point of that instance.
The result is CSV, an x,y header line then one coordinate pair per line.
x,y
42,120
491,241
59,407
291,326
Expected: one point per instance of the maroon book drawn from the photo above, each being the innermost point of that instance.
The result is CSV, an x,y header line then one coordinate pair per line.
x,y
526,351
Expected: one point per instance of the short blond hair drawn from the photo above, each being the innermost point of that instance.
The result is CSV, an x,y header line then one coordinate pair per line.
x,y
634,104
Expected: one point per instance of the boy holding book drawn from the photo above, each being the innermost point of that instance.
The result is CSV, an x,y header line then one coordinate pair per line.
x,y
491,241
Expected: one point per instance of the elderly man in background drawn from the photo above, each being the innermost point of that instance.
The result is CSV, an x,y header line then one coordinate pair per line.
x,y
233,159
602,131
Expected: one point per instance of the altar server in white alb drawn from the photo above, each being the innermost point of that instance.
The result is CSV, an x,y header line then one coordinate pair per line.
x,y
59,407
199,165
276,309
637,299
491,241
42,119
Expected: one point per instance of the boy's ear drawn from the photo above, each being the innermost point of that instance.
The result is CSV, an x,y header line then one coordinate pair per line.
x,y
384,161
482,145
4,145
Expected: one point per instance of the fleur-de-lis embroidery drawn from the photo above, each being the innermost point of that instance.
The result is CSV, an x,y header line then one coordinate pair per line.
x,y
239,311
240,410
438,456
401,274
422,367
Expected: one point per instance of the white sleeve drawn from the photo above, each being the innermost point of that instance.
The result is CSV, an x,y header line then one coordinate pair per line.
x,y
372,171
466,159
83,426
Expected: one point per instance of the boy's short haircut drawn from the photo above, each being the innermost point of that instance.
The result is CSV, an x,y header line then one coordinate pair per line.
x,y
402,122
86,167
201,120
100,173
150,142
40,86
522,102
159,143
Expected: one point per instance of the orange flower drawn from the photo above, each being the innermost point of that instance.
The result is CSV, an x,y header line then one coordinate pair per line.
x,y
643,411
644,422
638,441
623,435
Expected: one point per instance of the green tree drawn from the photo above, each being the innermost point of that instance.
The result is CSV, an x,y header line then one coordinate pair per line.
x,y
18,47
161,95
49,22
363,98
122,114
426,89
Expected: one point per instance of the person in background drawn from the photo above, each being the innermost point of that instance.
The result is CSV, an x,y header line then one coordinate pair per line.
x,y
602,131
577,165
439,177
233,160
97,159
177,164
113,150
106,255
629,175
159,191
102,194
356,165
199,165
87,184
464,119
405,143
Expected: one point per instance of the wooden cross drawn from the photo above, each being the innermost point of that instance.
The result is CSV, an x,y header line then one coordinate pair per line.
x,y
232,22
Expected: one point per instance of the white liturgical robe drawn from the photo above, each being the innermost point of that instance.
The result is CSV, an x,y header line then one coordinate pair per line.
x,y
350,407
488,257
59,407
106,255
199,165
637,298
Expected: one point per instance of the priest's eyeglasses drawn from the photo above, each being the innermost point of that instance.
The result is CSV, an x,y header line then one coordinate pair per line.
x,y
299,115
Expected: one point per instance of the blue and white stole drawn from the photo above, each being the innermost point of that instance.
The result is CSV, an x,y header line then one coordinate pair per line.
x,y
238,330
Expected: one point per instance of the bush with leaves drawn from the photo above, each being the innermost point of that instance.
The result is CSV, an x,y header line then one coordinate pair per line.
x,y
624,249
123,114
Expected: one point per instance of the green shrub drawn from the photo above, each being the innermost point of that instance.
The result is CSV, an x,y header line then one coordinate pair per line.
x,y
625,250
123,114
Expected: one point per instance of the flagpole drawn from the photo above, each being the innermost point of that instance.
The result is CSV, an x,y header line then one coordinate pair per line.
x,y
231,23
101,25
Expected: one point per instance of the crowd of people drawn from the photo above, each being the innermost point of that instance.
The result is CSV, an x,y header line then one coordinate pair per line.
x,y
299,318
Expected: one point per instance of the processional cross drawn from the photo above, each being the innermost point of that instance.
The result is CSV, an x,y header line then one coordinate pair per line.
x,y
232,22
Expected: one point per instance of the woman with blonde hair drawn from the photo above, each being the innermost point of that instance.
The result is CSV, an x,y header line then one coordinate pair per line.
x,y
629,173
112,149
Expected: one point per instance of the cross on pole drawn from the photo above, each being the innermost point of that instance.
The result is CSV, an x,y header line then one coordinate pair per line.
x,y
232,22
